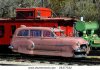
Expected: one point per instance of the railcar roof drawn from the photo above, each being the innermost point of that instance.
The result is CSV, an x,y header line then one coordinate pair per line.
x,y
42,28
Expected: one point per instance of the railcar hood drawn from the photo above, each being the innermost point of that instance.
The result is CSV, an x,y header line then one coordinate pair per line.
x,y
74,40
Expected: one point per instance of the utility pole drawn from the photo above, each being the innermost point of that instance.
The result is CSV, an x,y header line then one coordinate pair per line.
x,y
31,3
42,3
74,6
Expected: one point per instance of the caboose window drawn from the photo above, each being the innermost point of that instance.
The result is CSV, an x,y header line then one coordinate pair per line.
x,y
23,33
38,13
13,28
30,13
20,14
1,31
24,14
35,33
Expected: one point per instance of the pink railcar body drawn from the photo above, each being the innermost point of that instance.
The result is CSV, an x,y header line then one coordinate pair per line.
x,y
47,41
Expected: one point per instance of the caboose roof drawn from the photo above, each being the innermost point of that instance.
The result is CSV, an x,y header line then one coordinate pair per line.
x,y
32,9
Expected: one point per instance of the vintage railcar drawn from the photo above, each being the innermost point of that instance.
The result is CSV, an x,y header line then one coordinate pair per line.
x,y
47,41
38,17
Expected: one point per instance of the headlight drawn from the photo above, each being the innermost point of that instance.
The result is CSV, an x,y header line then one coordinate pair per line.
x,y
83,46
78,50
11,47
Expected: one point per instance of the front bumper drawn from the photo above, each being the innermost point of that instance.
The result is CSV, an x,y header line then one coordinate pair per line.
x,y
11,47
81,52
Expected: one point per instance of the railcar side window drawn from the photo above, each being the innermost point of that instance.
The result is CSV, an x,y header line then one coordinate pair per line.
x,y
1,31
23,33
35,33
30,13
38,13
47,34
13,28
21,14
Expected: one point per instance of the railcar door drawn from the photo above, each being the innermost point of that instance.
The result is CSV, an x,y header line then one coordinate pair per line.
x,y
20,41
51,46
29,41
35,37
2,32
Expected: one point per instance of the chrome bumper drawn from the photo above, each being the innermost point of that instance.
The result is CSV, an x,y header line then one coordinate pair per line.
x,y
11,47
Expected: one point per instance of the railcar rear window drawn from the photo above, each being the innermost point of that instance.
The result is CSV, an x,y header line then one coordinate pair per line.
x,y
35,33
1,31
23,33
47,34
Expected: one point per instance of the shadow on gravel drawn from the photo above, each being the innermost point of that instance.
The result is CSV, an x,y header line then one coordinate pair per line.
x,y
94,53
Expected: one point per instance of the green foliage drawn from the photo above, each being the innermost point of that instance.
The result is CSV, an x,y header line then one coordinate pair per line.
x,y
87,10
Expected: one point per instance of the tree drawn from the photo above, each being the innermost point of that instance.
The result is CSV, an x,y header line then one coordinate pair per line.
x,y
87,9
57,6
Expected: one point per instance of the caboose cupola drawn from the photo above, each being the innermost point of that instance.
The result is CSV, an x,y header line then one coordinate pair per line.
x,y
32,13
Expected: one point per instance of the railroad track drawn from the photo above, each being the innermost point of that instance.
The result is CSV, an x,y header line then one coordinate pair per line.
x,y
20,59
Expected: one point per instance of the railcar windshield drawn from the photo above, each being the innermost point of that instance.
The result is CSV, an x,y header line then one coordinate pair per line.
x,y
60,34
